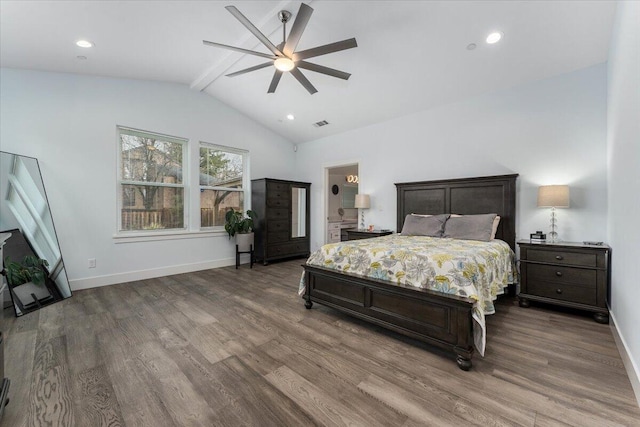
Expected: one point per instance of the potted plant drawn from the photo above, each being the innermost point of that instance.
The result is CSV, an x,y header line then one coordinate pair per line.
x,y
30,270
25,278
240,226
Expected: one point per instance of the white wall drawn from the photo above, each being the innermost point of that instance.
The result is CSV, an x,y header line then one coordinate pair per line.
x,y
69,123
623,139
550,132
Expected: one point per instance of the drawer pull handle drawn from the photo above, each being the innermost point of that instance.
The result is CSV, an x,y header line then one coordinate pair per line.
x,y
559,273
558,257
558,291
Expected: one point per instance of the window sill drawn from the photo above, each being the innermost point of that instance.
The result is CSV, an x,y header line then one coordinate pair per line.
x,y
135,237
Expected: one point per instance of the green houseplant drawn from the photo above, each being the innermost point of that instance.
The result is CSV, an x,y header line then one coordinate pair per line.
x,y
29,270
236,222
240,226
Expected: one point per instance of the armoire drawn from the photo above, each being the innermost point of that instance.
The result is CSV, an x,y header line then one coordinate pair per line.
x,y
283,223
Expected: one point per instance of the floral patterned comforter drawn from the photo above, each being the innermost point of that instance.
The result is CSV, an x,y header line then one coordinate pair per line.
x,y
469,268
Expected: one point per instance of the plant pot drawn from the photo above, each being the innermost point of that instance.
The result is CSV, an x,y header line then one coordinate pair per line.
x,y
26,291
245,241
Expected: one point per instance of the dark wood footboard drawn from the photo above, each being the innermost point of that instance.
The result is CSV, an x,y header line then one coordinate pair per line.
x,y
438,319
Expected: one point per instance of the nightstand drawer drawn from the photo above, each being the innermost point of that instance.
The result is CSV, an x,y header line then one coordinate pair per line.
x,y
558,274
562,257
359,236
564,292
355,234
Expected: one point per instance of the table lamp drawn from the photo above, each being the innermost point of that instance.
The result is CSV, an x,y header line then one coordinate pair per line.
x,y
363,201
553,196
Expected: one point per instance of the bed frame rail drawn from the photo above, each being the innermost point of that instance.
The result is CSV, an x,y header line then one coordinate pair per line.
x,y
434,318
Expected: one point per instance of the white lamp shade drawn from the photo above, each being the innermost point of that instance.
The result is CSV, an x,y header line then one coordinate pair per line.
x,y
363,201
553,196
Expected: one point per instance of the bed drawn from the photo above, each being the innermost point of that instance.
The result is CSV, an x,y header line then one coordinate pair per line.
x,y
436,318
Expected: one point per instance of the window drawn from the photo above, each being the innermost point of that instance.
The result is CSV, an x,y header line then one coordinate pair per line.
x,y
151,185
223,182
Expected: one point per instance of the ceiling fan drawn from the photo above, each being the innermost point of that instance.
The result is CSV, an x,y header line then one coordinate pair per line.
x,y
284,56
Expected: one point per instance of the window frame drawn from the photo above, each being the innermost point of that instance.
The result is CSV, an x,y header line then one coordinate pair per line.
x,y
184,185
246,180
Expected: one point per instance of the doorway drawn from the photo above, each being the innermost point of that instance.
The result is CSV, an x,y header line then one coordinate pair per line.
x,y
341,189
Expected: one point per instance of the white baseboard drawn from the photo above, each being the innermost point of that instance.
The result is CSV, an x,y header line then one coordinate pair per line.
x,y
632,370
112,279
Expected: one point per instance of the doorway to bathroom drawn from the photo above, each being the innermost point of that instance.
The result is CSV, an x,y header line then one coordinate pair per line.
x,y
341,189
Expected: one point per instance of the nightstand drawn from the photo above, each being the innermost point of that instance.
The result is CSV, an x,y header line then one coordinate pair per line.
x,y
357,234
566,273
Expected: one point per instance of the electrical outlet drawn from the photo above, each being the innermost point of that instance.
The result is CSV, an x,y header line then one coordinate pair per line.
x,y
92,263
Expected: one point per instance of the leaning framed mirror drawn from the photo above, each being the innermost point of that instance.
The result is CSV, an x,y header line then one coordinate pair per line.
x,y
34,274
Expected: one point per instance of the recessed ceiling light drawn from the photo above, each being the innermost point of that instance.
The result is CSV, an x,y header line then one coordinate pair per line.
x,y
471,46
84,43
81,57
494,37
291,116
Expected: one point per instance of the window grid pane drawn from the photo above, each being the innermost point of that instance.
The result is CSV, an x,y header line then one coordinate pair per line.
x,y
150,159
220,168
215,203
152,208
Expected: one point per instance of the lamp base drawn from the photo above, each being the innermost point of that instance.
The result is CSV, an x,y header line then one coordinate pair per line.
x,y
553,235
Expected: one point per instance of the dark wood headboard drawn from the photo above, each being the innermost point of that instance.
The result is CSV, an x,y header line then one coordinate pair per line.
x,y
464,196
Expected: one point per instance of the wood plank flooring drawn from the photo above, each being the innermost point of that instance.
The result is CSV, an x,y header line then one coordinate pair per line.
x,y
237,347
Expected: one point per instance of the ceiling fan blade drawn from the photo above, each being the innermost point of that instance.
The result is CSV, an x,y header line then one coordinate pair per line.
x,y
303,80
327,48
246,70
274,81
324,70
244,21
238,49
302,19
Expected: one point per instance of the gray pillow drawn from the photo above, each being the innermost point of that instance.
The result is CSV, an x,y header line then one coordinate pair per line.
x,y
431,226
470,227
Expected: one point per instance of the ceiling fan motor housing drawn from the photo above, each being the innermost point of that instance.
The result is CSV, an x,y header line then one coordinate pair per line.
x,y
284,16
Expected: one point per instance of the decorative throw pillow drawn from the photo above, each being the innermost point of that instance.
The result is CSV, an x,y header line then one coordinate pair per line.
x,y
431,226
494,228
470,227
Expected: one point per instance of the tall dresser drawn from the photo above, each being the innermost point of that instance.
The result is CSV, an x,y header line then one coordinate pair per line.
x,y
282,208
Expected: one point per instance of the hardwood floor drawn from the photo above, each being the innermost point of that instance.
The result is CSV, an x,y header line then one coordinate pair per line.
x,y
237,347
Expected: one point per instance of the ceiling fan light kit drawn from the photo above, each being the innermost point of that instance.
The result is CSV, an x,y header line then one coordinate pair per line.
x,y
284,64
284,56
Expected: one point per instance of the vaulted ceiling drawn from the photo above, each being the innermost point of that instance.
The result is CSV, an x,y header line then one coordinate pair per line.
x,y
411,55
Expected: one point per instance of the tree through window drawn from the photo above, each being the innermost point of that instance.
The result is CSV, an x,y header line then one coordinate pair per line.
x,y
151,181
222,182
